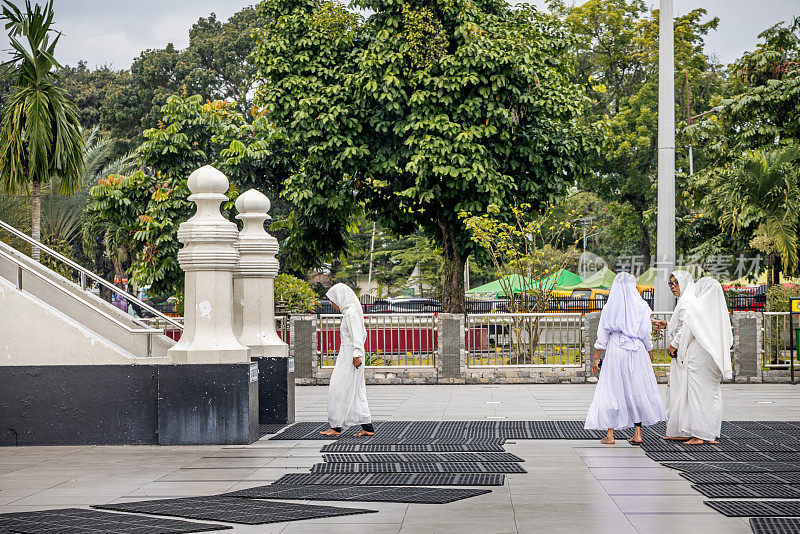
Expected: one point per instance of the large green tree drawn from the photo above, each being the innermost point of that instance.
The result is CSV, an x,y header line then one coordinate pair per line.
x,y
40,136
418,112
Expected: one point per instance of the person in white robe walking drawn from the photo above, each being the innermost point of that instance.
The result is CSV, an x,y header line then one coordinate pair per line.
x,y
347,392
706,339
681,284
627,393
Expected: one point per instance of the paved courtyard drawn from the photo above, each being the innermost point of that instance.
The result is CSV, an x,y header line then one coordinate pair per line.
x,y
572,486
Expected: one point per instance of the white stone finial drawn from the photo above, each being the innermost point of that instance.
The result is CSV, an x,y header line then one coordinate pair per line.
x,y
208,179
253,280
252,202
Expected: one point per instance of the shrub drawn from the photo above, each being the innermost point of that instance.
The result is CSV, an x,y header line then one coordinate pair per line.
x,y
294,295
778,298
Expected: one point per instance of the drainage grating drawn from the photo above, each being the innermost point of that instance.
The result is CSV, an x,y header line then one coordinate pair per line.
x,y
478,446
775,525
743,478
756,508
423,457
233,510
767,491
79,521
360,494
420,467
394,479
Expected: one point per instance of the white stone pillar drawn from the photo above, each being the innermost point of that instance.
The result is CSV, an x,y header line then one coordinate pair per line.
x,y
254,279
208,259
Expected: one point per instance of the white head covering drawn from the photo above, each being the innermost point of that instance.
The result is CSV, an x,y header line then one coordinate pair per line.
x,y
626,309
686,286
347,301
707,317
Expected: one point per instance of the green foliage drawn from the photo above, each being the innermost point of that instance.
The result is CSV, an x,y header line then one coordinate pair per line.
x,y
294,295
617,59
778,298
761,189
139,215
40,135
417,113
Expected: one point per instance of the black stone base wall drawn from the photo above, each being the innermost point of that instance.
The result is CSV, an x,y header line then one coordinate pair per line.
x,y
128,404
275,390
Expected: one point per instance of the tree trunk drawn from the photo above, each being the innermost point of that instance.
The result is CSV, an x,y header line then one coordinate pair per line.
x,y
36,217
453,272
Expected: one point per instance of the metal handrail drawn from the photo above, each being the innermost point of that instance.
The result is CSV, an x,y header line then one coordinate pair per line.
x,y
84,272
20,266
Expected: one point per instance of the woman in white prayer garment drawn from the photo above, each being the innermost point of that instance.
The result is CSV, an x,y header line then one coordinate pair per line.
x,y
347,392
681,284
706,339
627,393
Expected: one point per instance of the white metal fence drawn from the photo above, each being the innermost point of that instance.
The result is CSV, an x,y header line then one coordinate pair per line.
x,y
399,340
522,339
776,340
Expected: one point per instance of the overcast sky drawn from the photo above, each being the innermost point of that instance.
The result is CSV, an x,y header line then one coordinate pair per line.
x,y
114,32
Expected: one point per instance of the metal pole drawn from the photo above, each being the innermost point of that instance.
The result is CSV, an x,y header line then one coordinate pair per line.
x,y
466,274
371,249
689,122
665,241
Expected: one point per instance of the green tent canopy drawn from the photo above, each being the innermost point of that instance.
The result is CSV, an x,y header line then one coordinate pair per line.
x,y
602,279
559,279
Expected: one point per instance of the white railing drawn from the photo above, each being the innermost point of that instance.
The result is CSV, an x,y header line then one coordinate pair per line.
x,y
776,340
281,326
407,340
661,341
524,339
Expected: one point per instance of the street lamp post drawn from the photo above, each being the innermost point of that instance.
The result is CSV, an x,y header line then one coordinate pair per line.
x,y
665,239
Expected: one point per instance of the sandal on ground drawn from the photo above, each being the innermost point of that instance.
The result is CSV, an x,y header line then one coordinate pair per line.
x,y
702,442
364,433
675,438
330,432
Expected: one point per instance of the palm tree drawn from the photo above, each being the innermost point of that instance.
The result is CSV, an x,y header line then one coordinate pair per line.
x,y
40,136
762,186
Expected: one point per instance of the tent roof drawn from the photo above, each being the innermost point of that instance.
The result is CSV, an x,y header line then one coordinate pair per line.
x,y
559,279
602,279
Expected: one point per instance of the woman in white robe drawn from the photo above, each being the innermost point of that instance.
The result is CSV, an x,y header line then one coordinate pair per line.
x,y
347,392
627,393
705,350
681,284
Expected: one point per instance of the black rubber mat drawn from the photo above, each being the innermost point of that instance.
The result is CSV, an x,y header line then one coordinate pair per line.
x,y
717,456
733,467
360,493
743,478
79,521
575,430
422,457
756,508
420,467
306,430
478,446
394,479
764,491
270,428
233,510
775,525
724,445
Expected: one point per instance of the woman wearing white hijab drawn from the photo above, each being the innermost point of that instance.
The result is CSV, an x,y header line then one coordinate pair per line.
x,y
347,392
627,393
705,349
681,284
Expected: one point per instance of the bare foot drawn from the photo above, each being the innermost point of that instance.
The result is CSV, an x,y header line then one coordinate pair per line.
x,y
364,433
636,442
607,441
698,441
331,432
675,438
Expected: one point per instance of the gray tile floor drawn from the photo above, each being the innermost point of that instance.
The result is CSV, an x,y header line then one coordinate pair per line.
x,y
570,487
